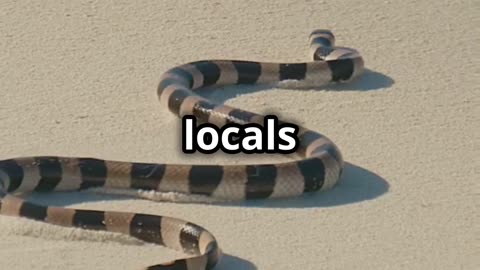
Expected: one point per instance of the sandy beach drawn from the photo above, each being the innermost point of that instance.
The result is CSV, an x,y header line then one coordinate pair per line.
x,y
79,79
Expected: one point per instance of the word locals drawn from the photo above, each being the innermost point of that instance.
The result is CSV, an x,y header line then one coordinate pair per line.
x,y
232,138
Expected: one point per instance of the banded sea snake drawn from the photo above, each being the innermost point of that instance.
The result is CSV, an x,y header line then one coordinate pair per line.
x,y
319,167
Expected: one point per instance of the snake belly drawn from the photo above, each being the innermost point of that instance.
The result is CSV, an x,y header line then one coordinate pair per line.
x,y
318,168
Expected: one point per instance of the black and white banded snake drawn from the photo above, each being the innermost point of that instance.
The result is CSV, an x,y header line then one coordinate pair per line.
x,y
319,168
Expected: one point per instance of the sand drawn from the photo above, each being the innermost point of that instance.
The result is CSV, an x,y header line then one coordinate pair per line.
x,y
79,78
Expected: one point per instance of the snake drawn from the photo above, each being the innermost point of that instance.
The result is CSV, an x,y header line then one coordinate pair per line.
x,y
318,166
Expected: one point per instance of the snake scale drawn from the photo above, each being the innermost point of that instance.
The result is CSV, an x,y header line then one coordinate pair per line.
x,y
319,167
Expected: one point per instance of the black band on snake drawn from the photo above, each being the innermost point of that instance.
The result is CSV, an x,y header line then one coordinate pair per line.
x,y
319,167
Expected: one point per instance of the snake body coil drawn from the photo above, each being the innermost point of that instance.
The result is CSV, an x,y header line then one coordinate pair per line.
x,y
319,168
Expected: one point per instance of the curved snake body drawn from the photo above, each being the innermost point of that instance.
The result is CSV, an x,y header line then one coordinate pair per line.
x,y
319,168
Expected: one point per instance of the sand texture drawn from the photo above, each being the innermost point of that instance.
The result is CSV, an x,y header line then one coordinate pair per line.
x,y
78,78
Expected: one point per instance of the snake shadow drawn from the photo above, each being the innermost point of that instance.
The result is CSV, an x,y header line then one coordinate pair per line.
x,y
370,80
355,185
233,262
